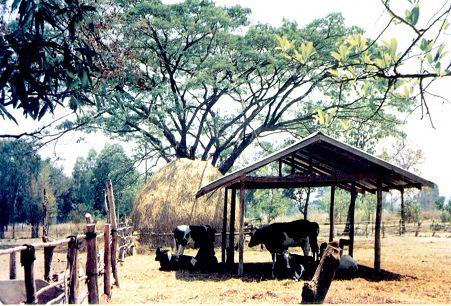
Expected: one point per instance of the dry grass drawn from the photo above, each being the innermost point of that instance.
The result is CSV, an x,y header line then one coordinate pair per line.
x,y
421,263
168,199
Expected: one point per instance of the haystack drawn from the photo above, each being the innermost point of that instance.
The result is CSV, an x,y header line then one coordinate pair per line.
x,y
168,199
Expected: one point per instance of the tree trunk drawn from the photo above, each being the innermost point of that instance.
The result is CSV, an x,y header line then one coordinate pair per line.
x,y
35,230
45,204
2,231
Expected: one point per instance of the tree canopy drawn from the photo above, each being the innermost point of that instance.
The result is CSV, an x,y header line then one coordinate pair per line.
x,y
193,79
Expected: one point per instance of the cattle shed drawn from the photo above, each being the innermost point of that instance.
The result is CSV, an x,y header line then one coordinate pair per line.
x,y
315,161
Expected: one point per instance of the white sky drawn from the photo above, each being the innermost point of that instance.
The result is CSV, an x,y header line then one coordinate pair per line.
x,y
369,15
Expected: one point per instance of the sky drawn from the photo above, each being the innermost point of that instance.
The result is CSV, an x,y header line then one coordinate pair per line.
x,y
369,15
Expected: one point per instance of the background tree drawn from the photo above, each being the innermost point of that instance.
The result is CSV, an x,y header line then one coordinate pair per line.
x,y
91,174
19,170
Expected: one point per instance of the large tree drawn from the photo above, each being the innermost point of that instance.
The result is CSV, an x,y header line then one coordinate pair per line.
x,y
198,81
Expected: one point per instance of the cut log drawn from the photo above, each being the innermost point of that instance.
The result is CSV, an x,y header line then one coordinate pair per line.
x,y
315,291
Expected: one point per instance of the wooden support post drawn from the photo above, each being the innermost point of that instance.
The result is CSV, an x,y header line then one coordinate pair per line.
x,y
107,261
377,229
72,253
48,256
241,230
91,264
331,213
12,266
224,227
351,217
280,167
417,231
114,238
315,291
403,216
27,258
293,170
231,251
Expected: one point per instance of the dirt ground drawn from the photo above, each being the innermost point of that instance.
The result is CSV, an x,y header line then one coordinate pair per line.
x,y
419,269
418,266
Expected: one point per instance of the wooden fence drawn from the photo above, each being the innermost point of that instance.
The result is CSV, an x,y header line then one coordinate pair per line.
x,y
113,240
362,228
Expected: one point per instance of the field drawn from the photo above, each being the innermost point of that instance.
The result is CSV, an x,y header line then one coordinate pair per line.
x,y
417,272
419,269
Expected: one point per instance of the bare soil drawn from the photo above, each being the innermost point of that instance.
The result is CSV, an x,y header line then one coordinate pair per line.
x,y
416,271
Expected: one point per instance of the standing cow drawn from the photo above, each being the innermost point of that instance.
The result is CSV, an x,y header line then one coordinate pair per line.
x,y
277,237
195,236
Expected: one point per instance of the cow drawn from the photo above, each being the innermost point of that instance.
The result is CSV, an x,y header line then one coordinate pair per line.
x,y
347,269
206,259
277,237
193,235
173,262
287,266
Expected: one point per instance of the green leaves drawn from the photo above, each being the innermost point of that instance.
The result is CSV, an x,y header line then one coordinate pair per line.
x,y
307,50
324,118
284,43
392,46
413,15
45,57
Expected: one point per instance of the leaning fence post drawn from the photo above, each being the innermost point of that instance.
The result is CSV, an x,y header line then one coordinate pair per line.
x,y
112,211
27,258
12,266
72,253
107,261
91,264
316,290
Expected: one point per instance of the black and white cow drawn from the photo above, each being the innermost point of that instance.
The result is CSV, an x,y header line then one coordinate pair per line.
x,y
194,236
288,266
277,237
173,262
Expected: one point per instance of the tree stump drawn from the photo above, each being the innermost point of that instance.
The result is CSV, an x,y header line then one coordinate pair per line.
x,y
315,291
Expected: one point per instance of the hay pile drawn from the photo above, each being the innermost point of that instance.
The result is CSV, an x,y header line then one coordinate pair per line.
x,y
168,199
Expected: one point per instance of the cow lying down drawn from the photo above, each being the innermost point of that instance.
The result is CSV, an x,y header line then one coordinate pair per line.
x,y
204,260
173,262
347,269
287,265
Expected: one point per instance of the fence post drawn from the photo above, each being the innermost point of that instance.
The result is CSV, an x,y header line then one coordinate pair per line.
x,y
418,229
112,211
315,291
48,256
91,264
12,266
27,258
72,253
107,261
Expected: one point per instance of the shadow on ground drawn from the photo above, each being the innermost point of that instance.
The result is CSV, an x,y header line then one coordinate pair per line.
x,y
256,272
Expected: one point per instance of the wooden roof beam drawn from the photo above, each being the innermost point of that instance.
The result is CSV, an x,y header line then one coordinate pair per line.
x,y
326,170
